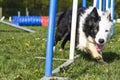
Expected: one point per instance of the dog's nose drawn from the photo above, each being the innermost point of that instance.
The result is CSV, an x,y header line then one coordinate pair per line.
x,y
101,41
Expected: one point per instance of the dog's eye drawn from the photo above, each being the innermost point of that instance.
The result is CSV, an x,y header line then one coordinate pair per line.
x,y
106,30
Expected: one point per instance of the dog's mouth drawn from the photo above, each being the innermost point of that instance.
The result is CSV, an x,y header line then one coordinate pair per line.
x,y
99,47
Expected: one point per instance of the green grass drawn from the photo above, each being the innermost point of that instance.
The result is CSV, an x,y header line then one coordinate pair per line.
x,y
18,50
85,69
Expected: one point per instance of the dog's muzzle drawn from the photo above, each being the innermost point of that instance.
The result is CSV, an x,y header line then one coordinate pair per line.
x,y
101,41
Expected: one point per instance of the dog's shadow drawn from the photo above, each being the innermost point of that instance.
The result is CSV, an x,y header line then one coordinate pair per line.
x,y
108,57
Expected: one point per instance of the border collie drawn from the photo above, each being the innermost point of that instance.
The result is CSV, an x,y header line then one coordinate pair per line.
x,y
92,31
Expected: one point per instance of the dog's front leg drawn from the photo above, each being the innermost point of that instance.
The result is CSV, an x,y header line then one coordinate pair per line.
x,y
95,54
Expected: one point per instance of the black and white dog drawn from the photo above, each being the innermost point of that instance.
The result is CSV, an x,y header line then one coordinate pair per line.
x,y
92,31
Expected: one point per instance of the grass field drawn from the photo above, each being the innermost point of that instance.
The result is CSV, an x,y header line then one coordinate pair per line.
x,y
18,50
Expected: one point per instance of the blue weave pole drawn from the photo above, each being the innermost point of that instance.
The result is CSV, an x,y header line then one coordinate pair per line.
x,y
97,4
103,5
84,3
109,4
50,39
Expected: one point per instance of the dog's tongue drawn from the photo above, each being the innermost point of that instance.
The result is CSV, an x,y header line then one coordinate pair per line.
x,y
99,47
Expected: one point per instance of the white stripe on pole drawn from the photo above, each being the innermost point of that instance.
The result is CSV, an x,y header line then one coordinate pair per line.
x,y
112,15
112,9
94,4
73,29
100,5
107,8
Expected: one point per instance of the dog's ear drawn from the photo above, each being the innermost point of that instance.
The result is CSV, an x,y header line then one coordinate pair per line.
x,y
109,17
94,13
107,14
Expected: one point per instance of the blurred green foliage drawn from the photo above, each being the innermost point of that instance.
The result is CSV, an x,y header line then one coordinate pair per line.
x,y
41,7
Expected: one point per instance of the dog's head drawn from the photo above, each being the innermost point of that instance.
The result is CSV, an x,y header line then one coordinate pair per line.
x,y
98,27
105,29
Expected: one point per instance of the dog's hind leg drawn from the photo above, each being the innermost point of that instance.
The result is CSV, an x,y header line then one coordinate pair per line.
x,y
65,39
58,37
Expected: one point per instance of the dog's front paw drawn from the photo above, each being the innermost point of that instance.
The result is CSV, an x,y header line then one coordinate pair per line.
x,y
97,56
101,61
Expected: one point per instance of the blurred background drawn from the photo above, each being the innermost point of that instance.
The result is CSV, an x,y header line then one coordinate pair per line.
x,y
39,7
